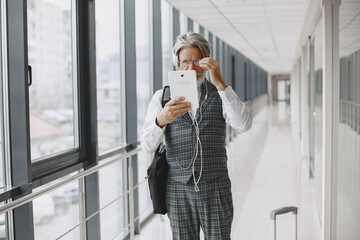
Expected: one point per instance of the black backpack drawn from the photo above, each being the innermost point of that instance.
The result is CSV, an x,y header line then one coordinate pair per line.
x,y
157,173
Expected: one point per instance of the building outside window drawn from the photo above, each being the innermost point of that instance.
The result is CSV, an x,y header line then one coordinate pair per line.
x,y
108,75
144,90
143,67
53,103
166,33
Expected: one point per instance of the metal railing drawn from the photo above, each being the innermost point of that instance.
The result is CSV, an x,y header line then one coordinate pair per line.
x,y
80,176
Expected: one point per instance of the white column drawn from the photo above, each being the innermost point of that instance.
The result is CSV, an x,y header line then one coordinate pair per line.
x,y
305,124
331,115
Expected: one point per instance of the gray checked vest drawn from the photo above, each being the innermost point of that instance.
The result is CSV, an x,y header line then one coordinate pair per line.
x,y
180,140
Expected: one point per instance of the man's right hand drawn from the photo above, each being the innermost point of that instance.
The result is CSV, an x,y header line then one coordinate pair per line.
x,y
171,111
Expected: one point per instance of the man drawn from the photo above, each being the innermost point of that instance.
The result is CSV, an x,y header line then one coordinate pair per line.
x,y
198,188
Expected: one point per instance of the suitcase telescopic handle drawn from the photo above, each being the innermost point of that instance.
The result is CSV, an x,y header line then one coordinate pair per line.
x,y
283,210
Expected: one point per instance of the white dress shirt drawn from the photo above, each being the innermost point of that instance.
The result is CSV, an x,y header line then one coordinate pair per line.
x,y
234,111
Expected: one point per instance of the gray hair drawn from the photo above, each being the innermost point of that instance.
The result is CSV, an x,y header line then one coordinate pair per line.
x,y
190,39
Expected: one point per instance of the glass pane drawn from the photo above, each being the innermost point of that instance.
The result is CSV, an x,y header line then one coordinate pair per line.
x,y
52,100
348,202
3,226
145,203
143,75
196,27
57,212
207,36
112,184
217,49
112,224
144,161
166,41
3,220
144,84
72,235
108,75
212,43
2,164
183,23
317,85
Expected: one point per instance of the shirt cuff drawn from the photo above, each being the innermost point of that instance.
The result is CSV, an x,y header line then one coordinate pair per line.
x,y
156,129
228,95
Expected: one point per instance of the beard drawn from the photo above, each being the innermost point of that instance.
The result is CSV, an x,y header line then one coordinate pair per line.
x,y
200,79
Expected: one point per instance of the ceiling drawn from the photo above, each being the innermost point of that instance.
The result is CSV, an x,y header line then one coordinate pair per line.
x,y
266,31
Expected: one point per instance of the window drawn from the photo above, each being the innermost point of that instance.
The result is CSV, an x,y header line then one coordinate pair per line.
x,y
317,107
3,220
112,186
53,100
196,27
166,24
143,72
2,163
57,213
348,194
108,74
144,88
183,23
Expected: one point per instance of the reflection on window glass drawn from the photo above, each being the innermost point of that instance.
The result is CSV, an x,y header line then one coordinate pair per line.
x,y
206,35
145,203
143,84
348,199
111,221
3,221
196,27
111,189
57,212
3,226
166,24
143,76
50,52
73,234
318,109
2,164
108,75
183,23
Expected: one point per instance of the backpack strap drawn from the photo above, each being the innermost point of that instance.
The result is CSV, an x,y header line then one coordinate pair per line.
x,y
166,97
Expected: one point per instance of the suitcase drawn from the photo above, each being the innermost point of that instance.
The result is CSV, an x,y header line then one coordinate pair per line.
x,y
281,211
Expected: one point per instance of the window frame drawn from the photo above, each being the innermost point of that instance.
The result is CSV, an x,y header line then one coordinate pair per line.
x,y
49,168
75,25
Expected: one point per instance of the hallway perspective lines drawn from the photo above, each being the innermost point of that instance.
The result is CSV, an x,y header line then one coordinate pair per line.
x,y
273,179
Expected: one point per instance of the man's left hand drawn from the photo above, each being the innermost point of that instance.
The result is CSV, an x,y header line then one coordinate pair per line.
x,y
213,67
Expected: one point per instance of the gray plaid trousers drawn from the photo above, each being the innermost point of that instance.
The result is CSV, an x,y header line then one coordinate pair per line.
x,y
211,208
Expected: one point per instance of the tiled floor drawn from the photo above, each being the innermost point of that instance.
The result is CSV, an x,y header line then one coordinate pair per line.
x,y
266,174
